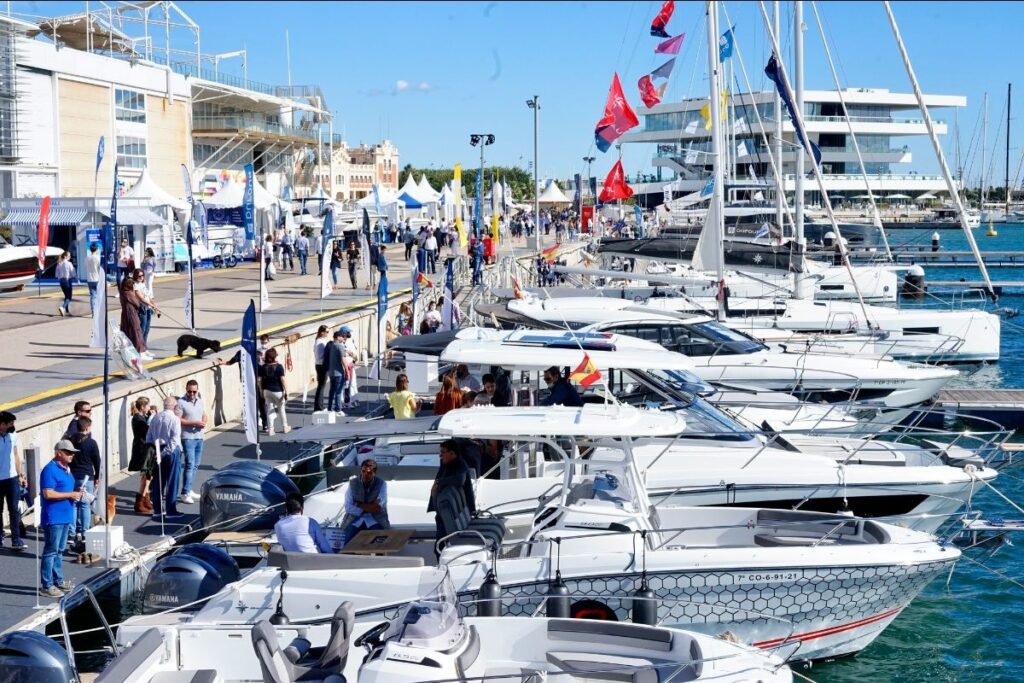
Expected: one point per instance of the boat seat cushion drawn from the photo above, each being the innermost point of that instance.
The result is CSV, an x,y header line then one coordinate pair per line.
x,y
594,666
300,561
612,633
146,649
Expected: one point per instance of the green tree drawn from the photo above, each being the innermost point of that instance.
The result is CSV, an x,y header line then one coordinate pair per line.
x,y
517,178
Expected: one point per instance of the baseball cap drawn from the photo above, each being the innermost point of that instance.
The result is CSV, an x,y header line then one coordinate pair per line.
x,y
345,329
65,445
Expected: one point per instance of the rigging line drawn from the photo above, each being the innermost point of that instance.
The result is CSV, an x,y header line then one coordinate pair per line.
x,y
641,36
693,73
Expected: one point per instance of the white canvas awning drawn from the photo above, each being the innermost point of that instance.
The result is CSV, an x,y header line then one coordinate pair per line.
x,y
231,195
553,194
147,189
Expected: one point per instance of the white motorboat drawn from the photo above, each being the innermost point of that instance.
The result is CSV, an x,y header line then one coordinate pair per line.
x,y
18,265
771,577
431,639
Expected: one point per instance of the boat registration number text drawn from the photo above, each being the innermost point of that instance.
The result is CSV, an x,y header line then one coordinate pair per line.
x,y
767,577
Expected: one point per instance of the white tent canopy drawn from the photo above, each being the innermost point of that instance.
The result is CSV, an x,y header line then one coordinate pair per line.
x,y
426,189
319,194
156,196
232,193
553,194
418,195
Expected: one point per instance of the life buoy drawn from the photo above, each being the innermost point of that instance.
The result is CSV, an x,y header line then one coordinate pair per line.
x,y
592,609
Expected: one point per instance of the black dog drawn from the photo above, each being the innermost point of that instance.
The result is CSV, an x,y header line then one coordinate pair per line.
x,y
201,345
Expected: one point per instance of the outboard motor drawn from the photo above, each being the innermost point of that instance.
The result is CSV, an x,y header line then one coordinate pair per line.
x,y
913,282
245,496
31,657
192,572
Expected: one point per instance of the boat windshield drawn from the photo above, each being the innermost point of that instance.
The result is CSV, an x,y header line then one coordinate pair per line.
x,y
433,615
703,420
722,340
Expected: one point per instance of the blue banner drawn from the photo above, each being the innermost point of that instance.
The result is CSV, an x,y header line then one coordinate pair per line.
x,y
709,187
449,293
328,230
110,231
249,332
249,204
775,73
725,43
478,205
382,297
248,364
99,153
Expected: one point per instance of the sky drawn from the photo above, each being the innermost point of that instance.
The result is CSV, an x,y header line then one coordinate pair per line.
x,y
428,74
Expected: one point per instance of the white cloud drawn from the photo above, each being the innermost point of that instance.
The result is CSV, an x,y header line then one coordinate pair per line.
x,y
401,86
424,86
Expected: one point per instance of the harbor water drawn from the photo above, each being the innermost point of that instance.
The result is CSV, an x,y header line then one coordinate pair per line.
x,y
966,630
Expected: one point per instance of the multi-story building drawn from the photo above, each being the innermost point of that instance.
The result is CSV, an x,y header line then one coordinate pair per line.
x,y
358,169
881,121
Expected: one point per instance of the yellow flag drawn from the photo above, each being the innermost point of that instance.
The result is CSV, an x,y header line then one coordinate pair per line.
x,y
462,232
494,228
722,106
457,188
705,113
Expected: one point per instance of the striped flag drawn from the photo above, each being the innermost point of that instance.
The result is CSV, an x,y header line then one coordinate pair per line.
x,y
422,280
551,253
586,373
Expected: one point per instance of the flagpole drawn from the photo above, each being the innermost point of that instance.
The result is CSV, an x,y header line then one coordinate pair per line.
x,y
106,380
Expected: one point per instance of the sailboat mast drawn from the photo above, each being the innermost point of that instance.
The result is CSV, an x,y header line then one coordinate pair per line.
x,y
716,210
780,182
984,144
798,196
1009,97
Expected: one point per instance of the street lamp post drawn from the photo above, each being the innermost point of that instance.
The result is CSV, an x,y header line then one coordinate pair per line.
x,y
588,161
534,104
482,139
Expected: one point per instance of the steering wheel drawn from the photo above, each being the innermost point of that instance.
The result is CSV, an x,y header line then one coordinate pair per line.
x,y
372,637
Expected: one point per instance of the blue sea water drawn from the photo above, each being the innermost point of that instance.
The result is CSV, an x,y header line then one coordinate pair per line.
x,y
970,629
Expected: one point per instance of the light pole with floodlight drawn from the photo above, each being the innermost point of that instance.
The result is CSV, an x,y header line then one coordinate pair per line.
x,y
482,139
534,104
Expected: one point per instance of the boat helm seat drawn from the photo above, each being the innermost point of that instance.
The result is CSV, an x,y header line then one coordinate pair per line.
x,y
334,655
277,668
455,517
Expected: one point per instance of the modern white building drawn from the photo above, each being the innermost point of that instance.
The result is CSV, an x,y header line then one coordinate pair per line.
x,y
883,121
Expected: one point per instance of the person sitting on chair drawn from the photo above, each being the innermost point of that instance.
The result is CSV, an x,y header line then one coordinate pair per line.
x,y
298,533
562,393
366,502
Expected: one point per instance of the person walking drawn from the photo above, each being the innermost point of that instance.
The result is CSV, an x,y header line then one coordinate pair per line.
x,y
125,260
430,245
275,391
351,357
165,428
302,249
403,402
58,499
149,270
409,240
382,260
65,272
268,258
193,424
323,338
147,304
336,258
87,469
131,319
12,479
141,461
334,354
287,251
353,256
93,273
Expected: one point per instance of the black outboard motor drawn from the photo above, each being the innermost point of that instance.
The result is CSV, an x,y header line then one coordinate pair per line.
x,y
31,657
192,572
245,496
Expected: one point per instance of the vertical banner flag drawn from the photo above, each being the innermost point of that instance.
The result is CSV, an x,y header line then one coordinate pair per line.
x,y
615,186
725,43
364,249
98,337
670,46
505,189
593,188
415,297
43,234
661,21
186,178
325,254
447,310
100,149
204,228
478,206
495,229
248,363
190,302
578,199
709,187
457,189
618,116
249,204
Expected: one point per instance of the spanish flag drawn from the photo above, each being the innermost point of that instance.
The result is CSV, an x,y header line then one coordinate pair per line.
x,y
586,373
551,253
517,291
423,281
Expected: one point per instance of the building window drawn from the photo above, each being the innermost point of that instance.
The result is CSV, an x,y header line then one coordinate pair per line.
x,y
131,152
129,106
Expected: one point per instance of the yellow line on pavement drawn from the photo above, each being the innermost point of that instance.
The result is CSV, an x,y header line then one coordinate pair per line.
x,y
171,360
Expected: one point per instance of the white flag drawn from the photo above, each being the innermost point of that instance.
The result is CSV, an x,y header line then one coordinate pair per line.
x,y
264,293
249,402
99,313
364,257
325,274
740,125
691,157
691,128
741,149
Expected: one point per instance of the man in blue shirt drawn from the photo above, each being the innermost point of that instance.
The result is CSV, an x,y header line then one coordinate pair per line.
x,y
58,514
562,393
297,533
11,479
366,502
382,262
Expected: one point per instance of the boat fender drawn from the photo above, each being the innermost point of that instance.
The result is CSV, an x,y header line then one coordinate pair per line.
x,y
645,606
558,598
489,596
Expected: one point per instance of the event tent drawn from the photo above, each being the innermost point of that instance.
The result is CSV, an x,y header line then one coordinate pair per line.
x,y
231,196
426,190
553,194
413,196
390,203
147,189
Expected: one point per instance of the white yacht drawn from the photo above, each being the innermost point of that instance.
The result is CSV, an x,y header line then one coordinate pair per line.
x,y
836,581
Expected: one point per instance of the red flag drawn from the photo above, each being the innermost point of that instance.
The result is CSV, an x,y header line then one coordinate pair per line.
x,y
647,92
618,117
423,281
43,236
615,186
586,373
551,253
661,21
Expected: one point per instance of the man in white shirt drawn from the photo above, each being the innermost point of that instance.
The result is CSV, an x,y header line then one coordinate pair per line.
x,y
165,427
297,533
125,261
93,274
430,245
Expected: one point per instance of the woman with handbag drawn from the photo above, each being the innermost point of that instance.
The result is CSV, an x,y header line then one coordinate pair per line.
x,y
142,459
